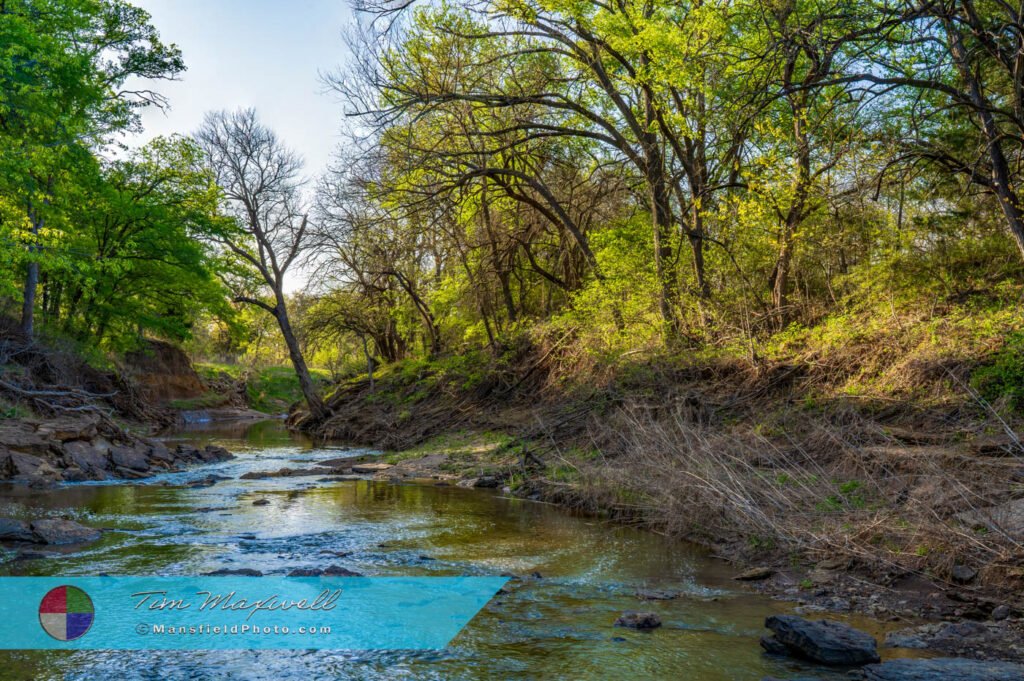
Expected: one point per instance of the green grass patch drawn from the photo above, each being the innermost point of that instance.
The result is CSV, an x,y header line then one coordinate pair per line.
x,y
208,400
268,389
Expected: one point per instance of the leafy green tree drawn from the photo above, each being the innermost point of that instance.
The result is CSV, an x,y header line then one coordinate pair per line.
x,y
140,257
64,70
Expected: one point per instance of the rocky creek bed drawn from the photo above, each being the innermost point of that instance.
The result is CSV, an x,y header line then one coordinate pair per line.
x,y
587,599
42,452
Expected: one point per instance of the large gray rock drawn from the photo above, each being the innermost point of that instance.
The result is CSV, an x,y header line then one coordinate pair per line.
x,y
75,474
87,457
59,531
12,529
825,641
944,669
28,468
21,434
130,457
23,465
963,574
211,453
160,452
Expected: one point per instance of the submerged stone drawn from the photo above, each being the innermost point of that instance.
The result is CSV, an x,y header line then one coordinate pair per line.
x,y
12,529
638,620
59,531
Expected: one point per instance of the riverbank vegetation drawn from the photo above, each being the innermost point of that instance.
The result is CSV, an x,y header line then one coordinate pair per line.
x,y
761,260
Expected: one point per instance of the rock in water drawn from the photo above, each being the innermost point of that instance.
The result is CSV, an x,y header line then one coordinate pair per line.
x,y
370,467
337,571
638,620
132,458
57,531
12,529
825,641
755,574
207,481
242,572
211,453
88,457
329,571
944,669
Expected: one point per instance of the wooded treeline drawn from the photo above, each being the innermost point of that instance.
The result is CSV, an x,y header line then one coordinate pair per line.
x,y
635,175
668,173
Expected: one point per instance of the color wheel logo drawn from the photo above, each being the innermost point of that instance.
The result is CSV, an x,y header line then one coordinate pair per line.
x,y
66,613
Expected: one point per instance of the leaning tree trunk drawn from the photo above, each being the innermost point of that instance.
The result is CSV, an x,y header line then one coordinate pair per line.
x,y
317,409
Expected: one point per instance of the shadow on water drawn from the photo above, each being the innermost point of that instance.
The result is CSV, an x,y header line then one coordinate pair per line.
x,y
558,626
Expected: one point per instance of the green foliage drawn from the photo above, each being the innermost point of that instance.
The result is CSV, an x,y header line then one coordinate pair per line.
x,y
849,496
1003,377
139,259
116,242
271,389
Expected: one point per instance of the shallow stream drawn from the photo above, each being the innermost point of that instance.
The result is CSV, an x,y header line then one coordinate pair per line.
x,y
557,626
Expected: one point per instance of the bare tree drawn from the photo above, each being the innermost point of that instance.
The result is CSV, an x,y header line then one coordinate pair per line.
x,y
260,180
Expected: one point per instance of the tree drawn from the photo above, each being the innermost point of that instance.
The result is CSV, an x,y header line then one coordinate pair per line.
x,y
62,92
138,258
259,178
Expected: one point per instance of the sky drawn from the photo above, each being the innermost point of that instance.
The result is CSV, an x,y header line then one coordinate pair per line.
x,y
266,54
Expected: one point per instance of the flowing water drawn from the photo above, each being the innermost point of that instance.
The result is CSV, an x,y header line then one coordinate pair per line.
x,y
557,626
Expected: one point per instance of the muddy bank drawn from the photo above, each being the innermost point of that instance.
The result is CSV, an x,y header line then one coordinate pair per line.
x,y
40,452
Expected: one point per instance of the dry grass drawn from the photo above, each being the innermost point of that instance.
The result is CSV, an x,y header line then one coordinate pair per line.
x,y
887,505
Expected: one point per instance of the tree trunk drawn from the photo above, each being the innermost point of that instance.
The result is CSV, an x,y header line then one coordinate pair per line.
x,y
29,302
313,400
369,360
780,285
795,216
661,232
1003,188
28,305
696,237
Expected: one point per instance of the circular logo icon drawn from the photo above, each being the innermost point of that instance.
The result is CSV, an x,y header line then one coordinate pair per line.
x,y
66,613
